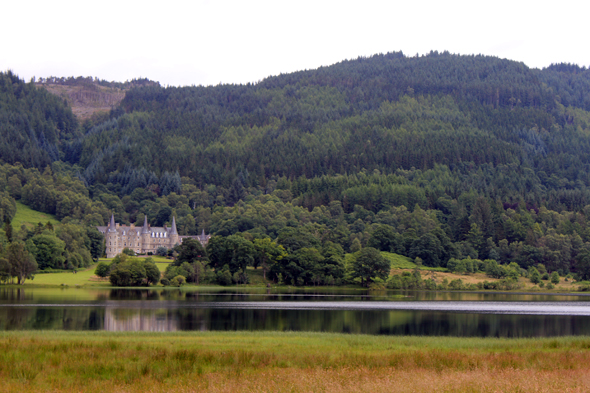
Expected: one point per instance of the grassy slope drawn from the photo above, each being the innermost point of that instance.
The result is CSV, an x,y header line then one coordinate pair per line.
x,y
81,278
29,217
287,362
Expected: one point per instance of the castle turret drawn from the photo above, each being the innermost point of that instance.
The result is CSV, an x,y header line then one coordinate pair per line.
x,y
173,230
173,233
112,226
145,228
146,241
112,238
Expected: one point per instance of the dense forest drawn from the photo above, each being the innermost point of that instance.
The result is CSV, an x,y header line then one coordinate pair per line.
x,y
436,157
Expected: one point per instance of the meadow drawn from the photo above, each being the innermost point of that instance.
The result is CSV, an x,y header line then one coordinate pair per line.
x,y
288,362
30,218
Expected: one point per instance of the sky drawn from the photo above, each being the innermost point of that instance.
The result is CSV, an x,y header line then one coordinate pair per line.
x,y
211,42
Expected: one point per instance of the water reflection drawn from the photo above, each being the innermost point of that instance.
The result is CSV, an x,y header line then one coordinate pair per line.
x,y
143,320
417,313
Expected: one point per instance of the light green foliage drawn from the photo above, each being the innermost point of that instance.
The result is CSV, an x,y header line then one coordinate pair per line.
x,y
178,281
534,275
268,253
102,269
397,261
29,217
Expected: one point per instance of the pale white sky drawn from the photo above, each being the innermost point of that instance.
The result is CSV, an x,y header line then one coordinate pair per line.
x,y
208,42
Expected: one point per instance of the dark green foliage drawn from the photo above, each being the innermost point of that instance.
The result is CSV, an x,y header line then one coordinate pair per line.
x,y
583,264
152,272
127,271
96,240
22,263
368,265
234,251
50,251
224,276
190,251
441,157
34,124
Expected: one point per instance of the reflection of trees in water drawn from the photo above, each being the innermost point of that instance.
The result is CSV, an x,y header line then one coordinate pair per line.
x,y
9,295
117,319
178,311
48,318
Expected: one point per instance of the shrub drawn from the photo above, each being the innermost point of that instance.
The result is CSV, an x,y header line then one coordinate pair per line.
x,y
429,284
152,273
456,285
509,283
224,276
129,273
134,272
178,281
490,285
534,275
102,269
165,282
555,278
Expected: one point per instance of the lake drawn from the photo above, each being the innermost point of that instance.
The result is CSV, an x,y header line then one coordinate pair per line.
x,y
322,310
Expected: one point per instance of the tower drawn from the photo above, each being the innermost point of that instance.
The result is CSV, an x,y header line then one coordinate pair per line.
x,y
145,236
112,238
173,234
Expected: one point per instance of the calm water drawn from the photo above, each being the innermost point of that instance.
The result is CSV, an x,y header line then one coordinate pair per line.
x,y
386,312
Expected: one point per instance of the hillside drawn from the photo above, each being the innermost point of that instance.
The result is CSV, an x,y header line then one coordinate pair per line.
x,y
438,156
31,218
87,96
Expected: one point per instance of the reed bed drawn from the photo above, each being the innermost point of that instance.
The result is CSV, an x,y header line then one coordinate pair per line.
x,y
57,361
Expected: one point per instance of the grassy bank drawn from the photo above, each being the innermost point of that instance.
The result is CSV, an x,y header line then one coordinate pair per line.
x,y
287,362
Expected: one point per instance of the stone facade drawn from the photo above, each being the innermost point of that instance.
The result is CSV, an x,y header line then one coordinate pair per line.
x,y
143,239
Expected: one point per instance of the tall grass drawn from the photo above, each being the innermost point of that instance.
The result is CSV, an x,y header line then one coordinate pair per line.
x,y
261,361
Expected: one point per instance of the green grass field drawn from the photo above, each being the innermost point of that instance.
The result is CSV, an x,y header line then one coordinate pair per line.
x,y
398,261
81,278
402,262
66,361
29,217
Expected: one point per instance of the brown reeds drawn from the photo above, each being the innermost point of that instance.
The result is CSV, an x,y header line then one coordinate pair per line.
x,y
287,362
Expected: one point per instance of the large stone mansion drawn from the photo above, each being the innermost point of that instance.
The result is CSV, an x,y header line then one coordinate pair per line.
x,y
143,240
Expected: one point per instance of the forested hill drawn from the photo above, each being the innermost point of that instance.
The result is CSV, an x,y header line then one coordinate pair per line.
x,y
388,113
460,155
